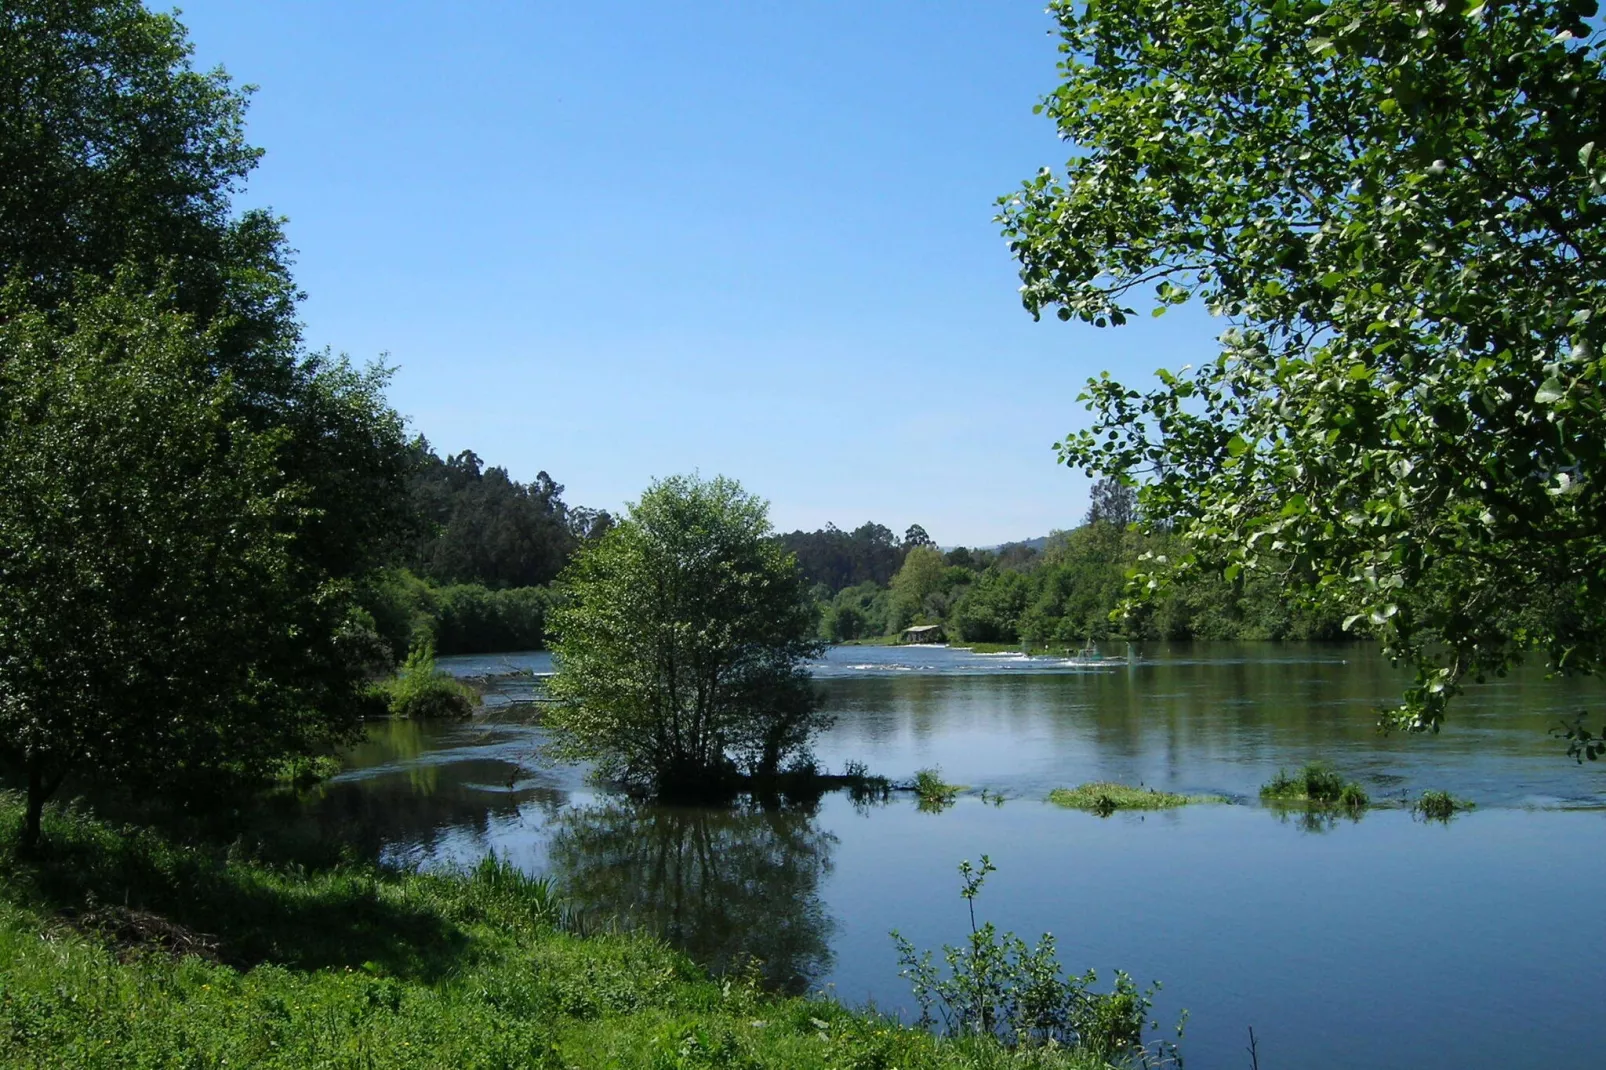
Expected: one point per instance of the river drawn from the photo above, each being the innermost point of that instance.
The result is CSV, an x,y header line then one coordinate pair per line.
x,y
1384,941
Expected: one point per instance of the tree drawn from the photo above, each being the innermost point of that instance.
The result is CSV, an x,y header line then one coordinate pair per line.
x,y
920,577
189,493
916,536
1399,208
1112,502
681,642
482,526
118,155
156,623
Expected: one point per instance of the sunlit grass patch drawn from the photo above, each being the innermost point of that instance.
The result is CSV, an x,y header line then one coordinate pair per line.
x,y
1104,797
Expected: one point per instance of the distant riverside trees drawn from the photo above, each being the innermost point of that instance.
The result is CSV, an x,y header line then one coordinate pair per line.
x,y
188,498
680,645
480,526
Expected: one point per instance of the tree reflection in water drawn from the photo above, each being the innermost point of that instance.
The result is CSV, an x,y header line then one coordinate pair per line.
x,y
725,885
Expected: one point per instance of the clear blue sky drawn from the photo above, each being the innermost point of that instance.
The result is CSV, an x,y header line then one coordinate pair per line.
x,y
619,241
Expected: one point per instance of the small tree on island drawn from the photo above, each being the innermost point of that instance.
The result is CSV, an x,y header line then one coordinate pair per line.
x,y
680,645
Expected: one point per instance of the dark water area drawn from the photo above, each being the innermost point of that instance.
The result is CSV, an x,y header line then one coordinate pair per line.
x,y
1385,941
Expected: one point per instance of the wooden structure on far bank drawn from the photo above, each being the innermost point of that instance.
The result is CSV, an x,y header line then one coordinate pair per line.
x,y
921,633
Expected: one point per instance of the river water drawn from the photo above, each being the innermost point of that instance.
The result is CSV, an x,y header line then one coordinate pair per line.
x,y
1385,941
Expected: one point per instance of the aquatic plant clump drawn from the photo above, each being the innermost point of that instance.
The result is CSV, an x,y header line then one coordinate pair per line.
x,y
935,793
1440,805
1104,797
1316,784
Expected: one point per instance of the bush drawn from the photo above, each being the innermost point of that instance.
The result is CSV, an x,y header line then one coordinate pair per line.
x,y
1318,784
998,987
1439,805
423,692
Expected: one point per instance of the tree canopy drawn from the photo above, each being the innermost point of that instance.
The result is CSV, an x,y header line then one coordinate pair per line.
x,y
189,493
680,644
1399,210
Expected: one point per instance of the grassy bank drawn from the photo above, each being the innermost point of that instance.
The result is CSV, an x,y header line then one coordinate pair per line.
x,y
1105,797
120,947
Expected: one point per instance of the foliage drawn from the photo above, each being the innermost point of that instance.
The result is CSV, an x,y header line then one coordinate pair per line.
x,y
935,793
463,618
481,527
189,494
1398,208
997,986
160,621
423,692
293,967
870,553
1113,501
1104,798
681,644
918,581
1440,806
1318,784
991,608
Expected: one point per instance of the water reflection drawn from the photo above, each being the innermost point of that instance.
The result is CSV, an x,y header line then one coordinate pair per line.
x,y
729,886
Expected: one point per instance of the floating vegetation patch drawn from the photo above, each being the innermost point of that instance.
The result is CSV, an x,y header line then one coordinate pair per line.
x,y
1103,797
1440,806
1316,784
935,793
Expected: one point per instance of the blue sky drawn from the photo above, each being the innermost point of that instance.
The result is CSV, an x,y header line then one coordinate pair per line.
x,y
619,241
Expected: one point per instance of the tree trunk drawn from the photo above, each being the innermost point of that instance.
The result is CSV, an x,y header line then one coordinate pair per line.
x,y
40,789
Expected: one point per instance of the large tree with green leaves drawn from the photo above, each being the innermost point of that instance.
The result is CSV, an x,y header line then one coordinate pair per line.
x,y
681,642
1400,211
188,492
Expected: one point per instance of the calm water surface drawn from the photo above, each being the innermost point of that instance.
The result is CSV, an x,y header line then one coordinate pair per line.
x,y
1382,942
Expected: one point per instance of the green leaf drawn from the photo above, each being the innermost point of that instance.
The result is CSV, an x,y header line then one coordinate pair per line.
x,y
1550,392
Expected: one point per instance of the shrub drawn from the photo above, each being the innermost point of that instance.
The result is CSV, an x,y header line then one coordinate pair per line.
x,y
1439,805
1318,784
998,987
423,692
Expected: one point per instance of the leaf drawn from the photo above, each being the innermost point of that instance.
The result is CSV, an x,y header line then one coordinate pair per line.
x,y
1236,446
1586,152
1550,392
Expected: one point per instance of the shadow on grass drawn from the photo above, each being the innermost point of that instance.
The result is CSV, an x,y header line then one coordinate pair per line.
x,y
141,890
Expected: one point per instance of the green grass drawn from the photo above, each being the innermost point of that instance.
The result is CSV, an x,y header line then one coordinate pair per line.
x,y
1440,805
1316,784
1105,797
122,948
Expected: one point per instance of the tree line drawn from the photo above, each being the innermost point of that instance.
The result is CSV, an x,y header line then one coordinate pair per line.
x,y
1070,590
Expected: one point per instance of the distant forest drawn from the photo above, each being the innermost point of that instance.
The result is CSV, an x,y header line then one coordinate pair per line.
x,y
474,574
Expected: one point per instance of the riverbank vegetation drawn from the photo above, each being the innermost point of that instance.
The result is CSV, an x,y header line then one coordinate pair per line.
x,y
1061,592
122,947
1105,797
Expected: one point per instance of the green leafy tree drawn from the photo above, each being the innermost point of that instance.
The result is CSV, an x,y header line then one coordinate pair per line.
x,y
920,577
680,644
152,604
1399,208
189,493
